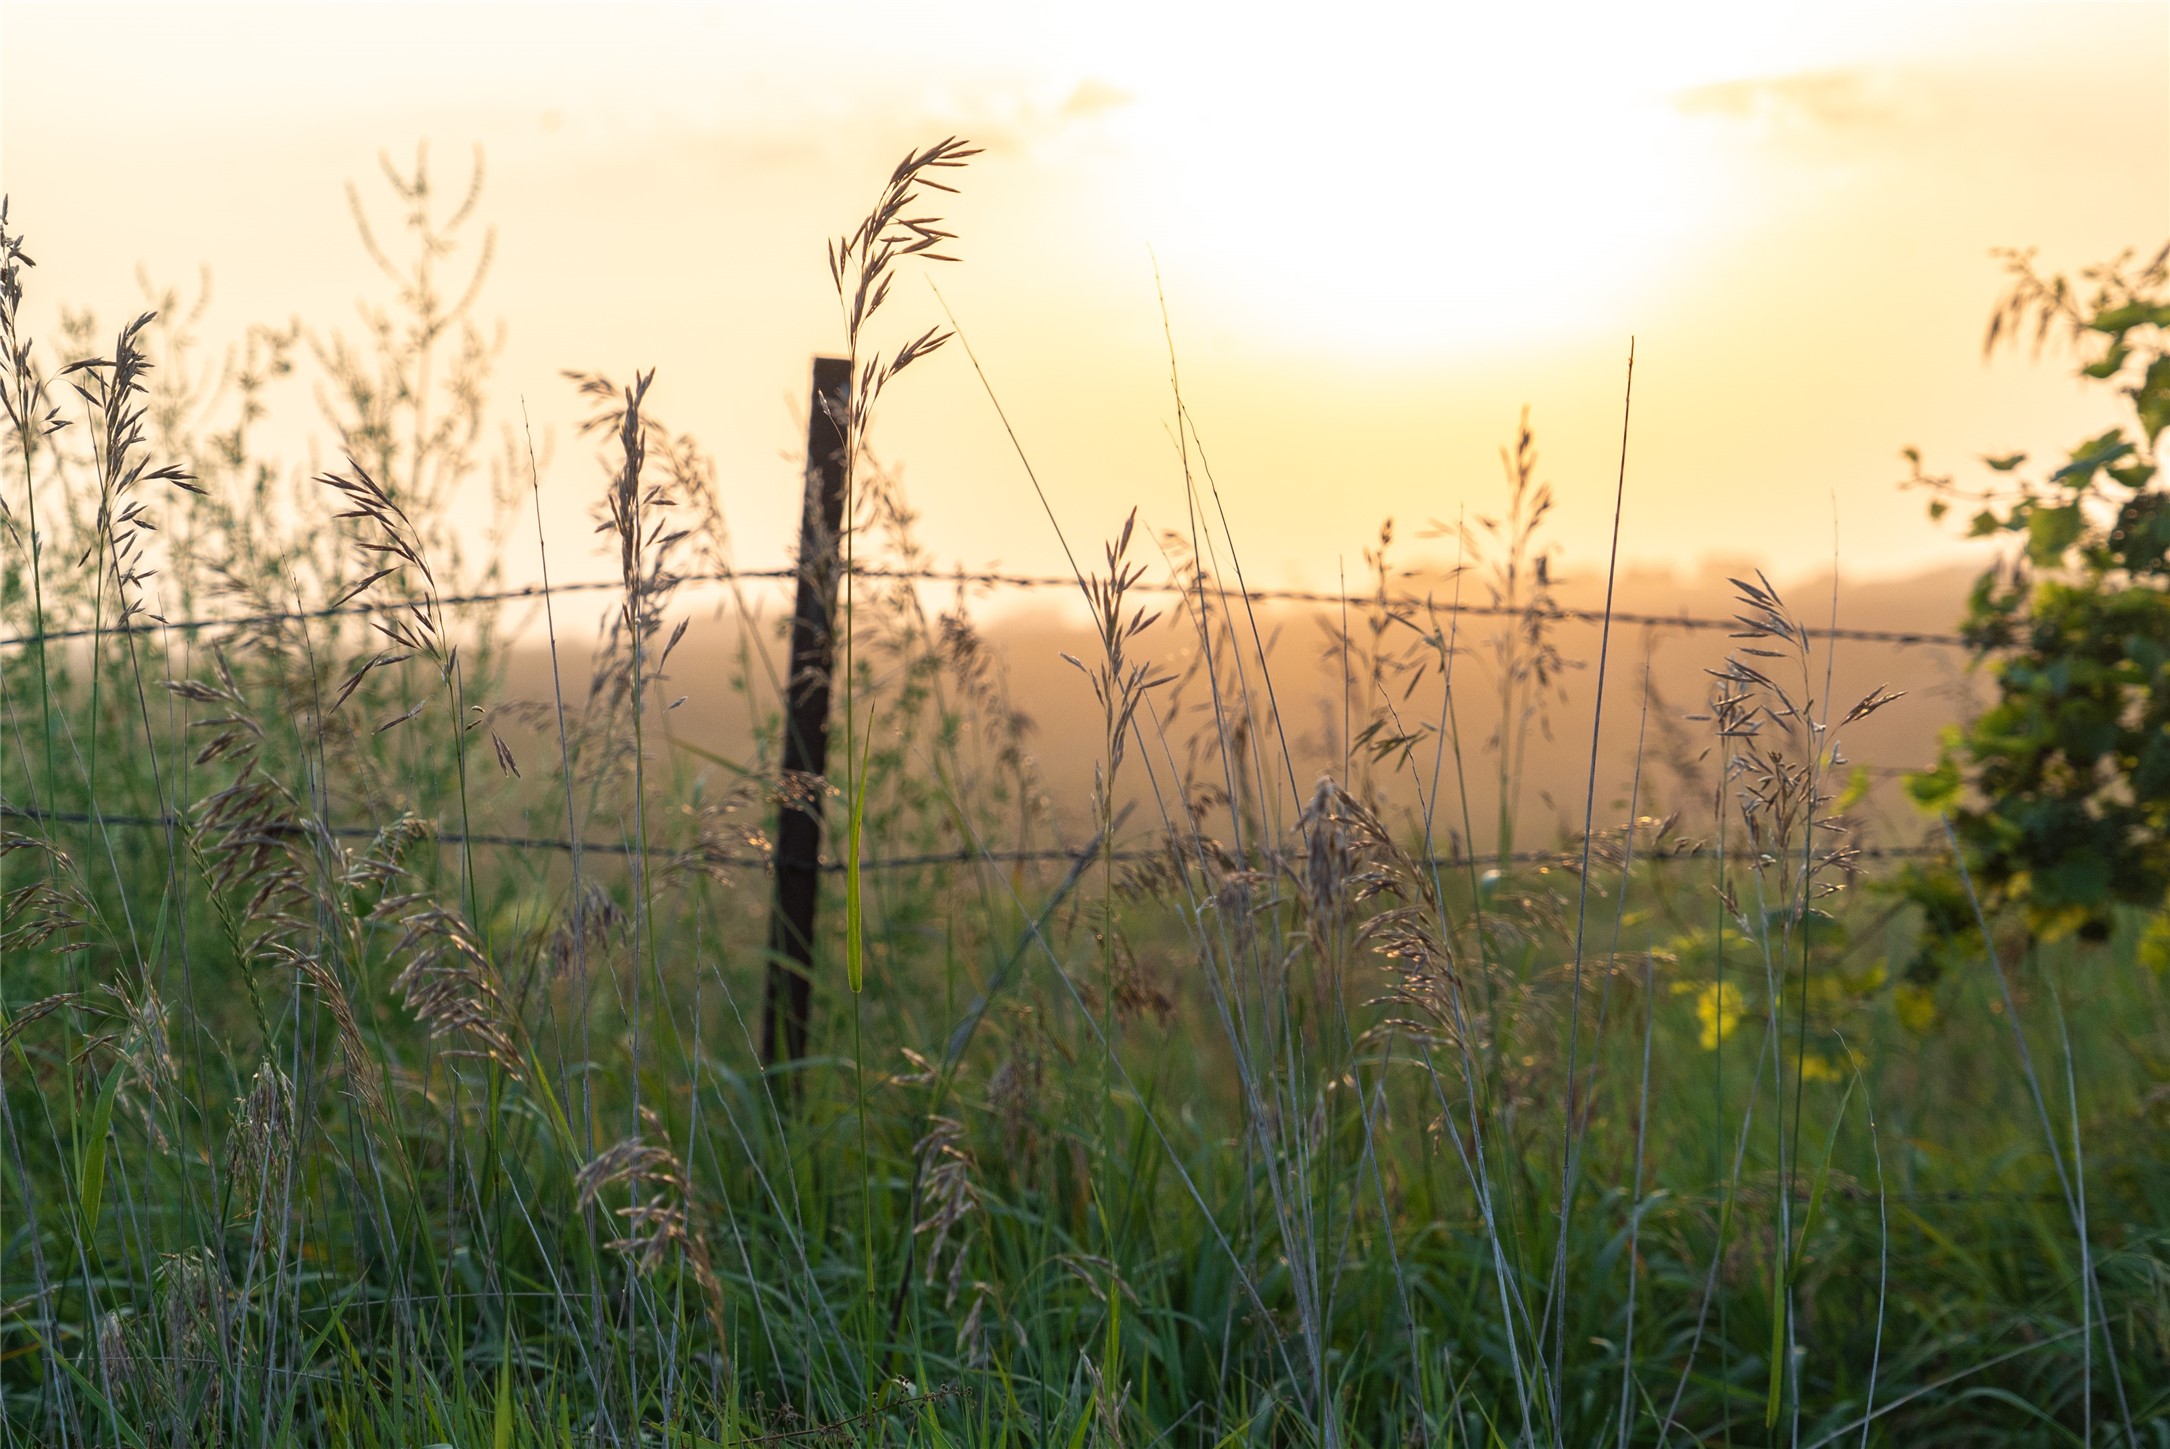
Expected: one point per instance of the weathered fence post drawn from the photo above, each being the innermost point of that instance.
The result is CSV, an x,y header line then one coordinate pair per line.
x,y
789,998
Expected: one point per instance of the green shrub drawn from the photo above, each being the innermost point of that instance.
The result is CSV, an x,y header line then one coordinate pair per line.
x,y
2059,791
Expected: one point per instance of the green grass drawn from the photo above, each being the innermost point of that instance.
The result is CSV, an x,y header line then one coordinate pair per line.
x,y
322,1127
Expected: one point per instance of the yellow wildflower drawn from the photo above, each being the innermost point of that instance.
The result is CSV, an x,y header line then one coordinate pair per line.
x,y
1915,1004
1718,1008
1816,1067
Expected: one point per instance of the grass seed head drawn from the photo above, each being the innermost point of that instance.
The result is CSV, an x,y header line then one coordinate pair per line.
x,y
260,1142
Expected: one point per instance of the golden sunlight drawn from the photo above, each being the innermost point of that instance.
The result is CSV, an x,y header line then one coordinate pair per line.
x,y
1098,722
1376,240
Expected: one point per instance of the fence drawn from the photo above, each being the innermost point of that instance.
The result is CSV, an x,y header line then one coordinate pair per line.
x,y
1019,582
796,864
802,730
761,861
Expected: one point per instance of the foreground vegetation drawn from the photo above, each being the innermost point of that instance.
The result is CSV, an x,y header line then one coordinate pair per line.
x,y
1259,1112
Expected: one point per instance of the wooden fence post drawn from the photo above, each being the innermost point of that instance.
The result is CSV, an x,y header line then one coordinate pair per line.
x,y
789,998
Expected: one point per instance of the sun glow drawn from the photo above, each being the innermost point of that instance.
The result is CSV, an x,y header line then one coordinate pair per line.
x,y
1378,233
1447,182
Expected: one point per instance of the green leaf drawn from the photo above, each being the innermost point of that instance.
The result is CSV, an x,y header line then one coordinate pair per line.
x,y
2119,320
91,1173
2151,399
1823,1177
1937,790
742,771
1084,1426
2112,361
1857,788
2051,531
1778,1336
501,1427
113,1416
2092,456
2006,463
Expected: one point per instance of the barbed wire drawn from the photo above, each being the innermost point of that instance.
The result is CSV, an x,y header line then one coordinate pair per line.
x,y
763,860
986,579
994,580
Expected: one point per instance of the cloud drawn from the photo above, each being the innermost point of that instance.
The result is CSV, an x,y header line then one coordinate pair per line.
x,y
1853,99
1093,98
1022,118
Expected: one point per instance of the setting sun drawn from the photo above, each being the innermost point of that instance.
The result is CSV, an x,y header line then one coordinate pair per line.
x,y
1377,240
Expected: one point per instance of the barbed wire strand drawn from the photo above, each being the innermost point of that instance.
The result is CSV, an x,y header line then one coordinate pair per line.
x,y
1049,855
1402,602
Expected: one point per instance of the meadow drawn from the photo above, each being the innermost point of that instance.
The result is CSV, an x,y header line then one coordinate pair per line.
x,y
385,972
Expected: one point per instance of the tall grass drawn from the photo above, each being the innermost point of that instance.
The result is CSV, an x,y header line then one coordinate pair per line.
x,y
1280,1105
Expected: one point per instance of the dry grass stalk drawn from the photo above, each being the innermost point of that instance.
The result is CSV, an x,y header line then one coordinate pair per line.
x,y
661,1218
589,925
176,1359
1325,876
36,1011
1107,1420
862,267
972,1335
1383,668
33,914
414,629
192,1301
248,831
1783,753
362,1071
1119,684
388,397
1138,992
1527,663
1358,888
260,1142
638,514
255,842
449,985
146,1044
722,839
1014,1092
1220,767
289,874
118,1363
655,514
111,388
23,396
947,1195
296,866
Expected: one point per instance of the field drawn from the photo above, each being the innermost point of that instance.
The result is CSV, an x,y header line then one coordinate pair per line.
x,y
393,1053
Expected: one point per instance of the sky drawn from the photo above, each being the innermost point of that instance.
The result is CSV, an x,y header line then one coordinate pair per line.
x,y
1368,239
